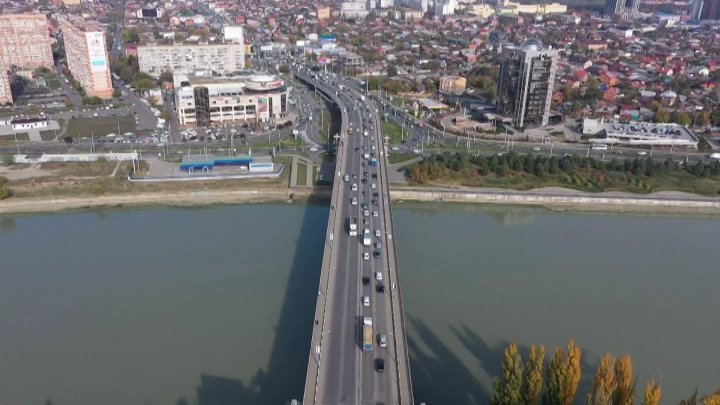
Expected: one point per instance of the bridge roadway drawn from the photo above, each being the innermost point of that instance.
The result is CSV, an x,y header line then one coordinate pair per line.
x,y
339,371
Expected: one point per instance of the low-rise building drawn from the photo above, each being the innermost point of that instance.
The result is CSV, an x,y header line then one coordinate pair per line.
x,y
452,85
640,134
203,101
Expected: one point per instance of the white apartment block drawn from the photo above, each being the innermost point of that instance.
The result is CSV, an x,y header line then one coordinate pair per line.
x,y
87,56
190,59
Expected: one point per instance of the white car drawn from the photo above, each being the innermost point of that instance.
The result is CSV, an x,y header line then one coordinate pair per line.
x,y
354,201
346,178
377,233
373,185
366,300
366,213
375,214
354,187
378,276
366,256
641,153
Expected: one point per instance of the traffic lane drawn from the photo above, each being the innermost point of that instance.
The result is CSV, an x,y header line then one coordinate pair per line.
x,y
340,366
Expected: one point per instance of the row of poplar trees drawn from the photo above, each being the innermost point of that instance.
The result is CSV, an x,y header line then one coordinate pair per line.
x,y
613,384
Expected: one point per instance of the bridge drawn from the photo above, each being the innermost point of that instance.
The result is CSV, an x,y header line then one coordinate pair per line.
x,y
358,280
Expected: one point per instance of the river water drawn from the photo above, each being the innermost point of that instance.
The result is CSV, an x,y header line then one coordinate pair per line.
x,y
214,305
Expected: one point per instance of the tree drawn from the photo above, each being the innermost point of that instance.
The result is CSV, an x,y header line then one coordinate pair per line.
x,y
655,106
716,117
532,379
563,376
165,77
604,382
284,69
116,93
662,116
683,118
653,392
623,368
94,100
506,388
392,71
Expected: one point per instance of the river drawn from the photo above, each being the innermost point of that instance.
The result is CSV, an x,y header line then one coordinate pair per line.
x,y
210,305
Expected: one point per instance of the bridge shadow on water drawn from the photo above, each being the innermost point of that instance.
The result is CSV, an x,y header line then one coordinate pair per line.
x,y
284,378
440,375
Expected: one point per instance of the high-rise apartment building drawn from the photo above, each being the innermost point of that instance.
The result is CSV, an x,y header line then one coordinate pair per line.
x,y
190,59
25,41
87,56
526,82
621,9
705,10
5,90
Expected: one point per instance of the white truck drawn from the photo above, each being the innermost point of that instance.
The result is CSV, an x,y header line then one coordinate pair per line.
x,y
367,238
352,226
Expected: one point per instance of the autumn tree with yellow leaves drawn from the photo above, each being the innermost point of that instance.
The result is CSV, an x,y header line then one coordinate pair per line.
x,y
563,376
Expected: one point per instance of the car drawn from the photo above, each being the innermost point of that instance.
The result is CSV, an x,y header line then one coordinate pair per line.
x,y
366,213
354,176
380,288
376,254
377,233
642,153
365,174
346,178
364,206
375,194
374,176
354,187
373,185
378,245
378,276
374,201
366,280
366,300
379,365
375,214
364,181
382,340
366,256
354,201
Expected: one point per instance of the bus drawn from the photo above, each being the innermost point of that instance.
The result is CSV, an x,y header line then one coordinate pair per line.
x,y
367,334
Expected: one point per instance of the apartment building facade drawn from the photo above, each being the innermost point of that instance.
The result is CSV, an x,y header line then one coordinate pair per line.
x,y
527,75
25,41
205,101
190,59
6,96
87,57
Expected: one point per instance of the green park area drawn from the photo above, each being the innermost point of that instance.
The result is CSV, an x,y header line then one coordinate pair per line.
x,y
99,126
525,172
392,130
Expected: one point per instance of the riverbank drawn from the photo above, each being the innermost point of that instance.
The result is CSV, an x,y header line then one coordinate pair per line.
x,y
190,198
561,199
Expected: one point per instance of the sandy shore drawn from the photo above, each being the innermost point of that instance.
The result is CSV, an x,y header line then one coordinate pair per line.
x,y
556,199
190,198
560,199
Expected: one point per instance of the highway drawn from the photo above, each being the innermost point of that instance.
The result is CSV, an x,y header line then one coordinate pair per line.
x,y
339,370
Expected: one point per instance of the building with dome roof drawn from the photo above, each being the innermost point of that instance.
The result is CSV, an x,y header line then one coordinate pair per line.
x,y
527,74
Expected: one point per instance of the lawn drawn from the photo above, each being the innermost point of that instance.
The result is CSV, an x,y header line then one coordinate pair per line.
x,y
21,137
393,130
400,157
301,174
85,127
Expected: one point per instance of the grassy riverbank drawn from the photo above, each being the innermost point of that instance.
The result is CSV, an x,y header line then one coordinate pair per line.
x,y
526,172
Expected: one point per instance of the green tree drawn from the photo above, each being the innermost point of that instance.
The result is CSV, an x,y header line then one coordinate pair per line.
x,y
506,388
94,100
165,77
532,379
604,382
683,118
392,71
116,93
284,69
5,191
655,106
662,116
131,36
563,376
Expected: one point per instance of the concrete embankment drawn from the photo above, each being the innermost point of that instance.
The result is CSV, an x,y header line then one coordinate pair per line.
x,y
190,198
561,199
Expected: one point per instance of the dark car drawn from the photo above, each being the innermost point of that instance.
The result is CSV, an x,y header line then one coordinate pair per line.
x,y
376,254
374,176
380,288
366,280
379,365
364,181
375,194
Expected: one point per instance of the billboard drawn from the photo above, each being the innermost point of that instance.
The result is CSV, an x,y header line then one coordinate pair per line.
x,y
96,51
263,109
328,38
